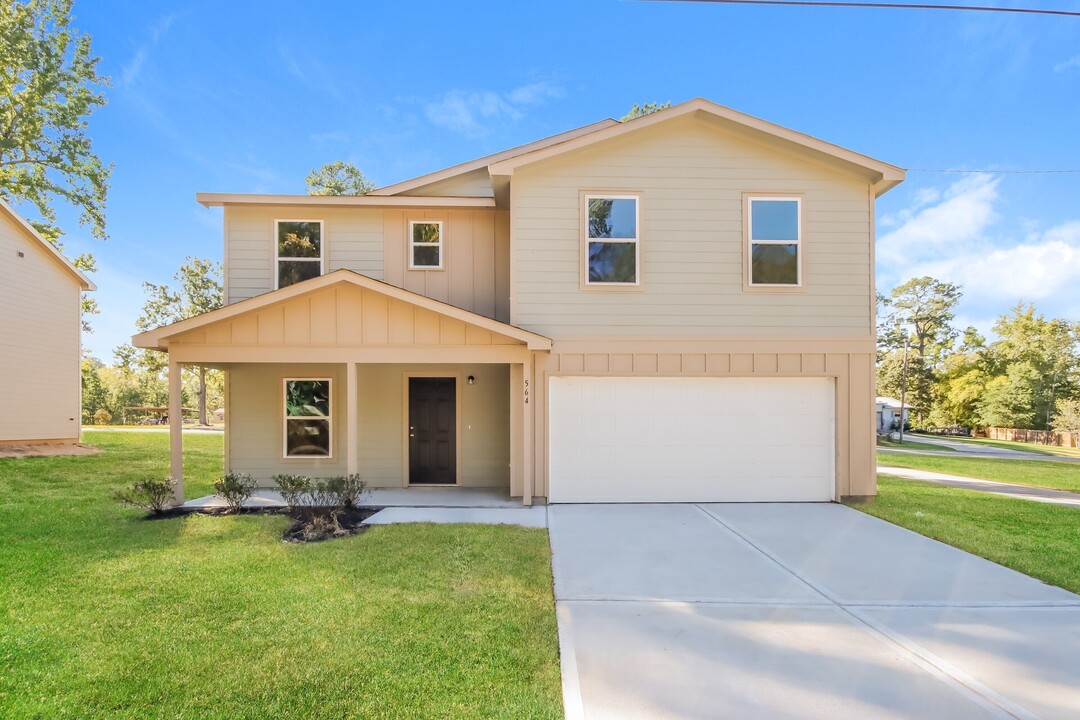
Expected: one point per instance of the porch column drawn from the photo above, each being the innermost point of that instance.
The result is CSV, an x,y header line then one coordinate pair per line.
x,y
176,431
352,418
528,396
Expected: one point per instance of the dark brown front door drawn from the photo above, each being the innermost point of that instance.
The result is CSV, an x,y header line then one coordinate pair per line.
x,y
432,431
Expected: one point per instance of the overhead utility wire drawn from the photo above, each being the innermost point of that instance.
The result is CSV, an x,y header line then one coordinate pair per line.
x,y
902,6
994,172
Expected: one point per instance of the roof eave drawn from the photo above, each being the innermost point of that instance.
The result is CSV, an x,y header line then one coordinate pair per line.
x,y
210,199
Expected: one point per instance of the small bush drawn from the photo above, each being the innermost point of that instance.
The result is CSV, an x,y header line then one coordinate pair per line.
x,y
153,496
234,488
102,417
348,489
294,489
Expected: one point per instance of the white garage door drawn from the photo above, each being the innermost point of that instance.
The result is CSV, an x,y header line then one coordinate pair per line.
x,y
691,439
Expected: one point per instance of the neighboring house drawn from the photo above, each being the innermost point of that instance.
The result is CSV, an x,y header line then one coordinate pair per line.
x,y
888,414
675,308
40,336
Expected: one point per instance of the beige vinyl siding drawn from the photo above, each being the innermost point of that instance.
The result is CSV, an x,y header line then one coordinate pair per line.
x,y
39,342
371,241
691,177
475,247
476,183
352,239
255,422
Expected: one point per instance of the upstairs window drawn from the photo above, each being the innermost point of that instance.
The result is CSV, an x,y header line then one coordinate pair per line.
x,y
307,418
425,245
774,236
611,239
299,251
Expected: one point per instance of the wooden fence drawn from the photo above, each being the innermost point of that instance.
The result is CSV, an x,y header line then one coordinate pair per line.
x,y
1040,437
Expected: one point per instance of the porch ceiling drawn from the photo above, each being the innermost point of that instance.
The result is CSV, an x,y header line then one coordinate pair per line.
x,y
339,317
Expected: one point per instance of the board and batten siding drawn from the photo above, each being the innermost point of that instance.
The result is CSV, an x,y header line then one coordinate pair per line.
x,y
372,241
692,177
39,342
256,416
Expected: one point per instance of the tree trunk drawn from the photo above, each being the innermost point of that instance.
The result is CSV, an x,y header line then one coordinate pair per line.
x,y
202,396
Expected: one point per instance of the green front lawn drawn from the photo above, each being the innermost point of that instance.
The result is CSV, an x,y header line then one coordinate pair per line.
x,y
106,615
1037,539
912,445
1035,473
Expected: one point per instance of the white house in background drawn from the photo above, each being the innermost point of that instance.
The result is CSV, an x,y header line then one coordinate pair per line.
x,y
888,413
40,342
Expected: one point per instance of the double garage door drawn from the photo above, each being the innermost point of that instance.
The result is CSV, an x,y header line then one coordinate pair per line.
x,y
615,439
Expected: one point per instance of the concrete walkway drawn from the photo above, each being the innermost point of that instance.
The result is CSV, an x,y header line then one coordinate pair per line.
x,y
798,611
427,505
1044,495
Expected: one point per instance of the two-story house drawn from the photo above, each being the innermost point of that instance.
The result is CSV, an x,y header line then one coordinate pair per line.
x,y
675,308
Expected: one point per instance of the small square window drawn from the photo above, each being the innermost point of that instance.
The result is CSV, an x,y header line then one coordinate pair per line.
x,y
774,241
612,240
425,245
308,422
299,251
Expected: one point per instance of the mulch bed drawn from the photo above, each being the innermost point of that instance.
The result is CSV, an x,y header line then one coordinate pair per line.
x,y
301,530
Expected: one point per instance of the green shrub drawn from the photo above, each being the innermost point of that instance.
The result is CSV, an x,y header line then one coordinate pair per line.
x,y
294,489
234,488
153,496
102,417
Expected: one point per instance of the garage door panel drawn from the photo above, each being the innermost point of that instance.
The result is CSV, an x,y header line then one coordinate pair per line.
x,y
691,439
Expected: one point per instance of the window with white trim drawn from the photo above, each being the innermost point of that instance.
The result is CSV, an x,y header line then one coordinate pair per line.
x,y
308,423
611,240
774,241
299,251
425,245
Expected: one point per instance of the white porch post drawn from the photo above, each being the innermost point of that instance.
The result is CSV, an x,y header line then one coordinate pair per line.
x,y
352,420
176,431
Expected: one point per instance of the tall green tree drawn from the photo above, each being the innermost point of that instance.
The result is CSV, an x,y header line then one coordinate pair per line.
x,y
49,86
198,291
637,111
338,178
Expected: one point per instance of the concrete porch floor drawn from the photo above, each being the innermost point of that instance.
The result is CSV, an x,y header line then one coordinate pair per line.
x,y
489,506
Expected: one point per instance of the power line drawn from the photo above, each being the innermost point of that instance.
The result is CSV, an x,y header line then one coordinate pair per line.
x,y
995,172
890,5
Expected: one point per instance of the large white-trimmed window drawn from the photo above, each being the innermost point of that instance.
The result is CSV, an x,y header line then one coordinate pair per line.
x,y
774,241
298,247
612,240
426,245
308,423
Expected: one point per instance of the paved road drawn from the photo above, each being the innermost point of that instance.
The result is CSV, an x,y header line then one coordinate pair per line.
x,y
975,451
798,611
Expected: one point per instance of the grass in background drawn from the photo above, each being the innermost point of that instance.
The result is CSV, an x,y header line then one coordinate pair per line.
x,y
1033,473
104,614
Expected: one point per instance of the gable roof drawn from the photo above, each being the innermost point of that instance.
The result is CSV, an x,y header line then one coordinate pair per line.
x,y
483,162
883,175
46,247
157,339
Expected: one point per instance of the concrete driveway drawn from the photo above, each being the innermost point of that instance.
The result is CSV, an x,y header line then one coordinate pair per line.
x,y
798,611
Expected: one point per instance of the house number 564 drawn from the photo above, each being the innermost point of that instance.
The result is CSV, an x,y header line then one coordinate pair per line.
x,y
526,392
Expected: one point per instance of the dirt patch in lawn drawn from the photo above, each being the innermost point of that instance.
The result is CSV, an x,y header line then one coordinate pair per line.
x,y
305,526
46,450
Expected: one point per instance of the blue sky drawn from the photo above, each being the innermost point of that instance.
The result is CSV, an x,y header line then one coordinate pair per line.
x,y
250,96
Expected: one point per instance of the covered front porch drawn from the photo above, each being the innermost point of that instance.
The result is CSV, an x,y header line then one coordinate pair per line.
x,y
344,374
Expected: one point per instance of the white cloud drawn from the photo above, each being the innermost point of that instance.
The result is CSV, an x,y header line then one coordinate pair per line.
x,y
1072,62
130,72
926,232
473,113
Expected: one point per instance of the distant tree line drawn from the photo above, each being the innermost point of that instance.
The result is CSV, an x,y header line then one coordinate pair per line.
x,y
1028,377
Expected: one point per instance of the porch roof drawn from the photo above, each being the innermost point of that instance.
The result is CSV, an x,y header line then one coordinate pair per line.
x,y
340,312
